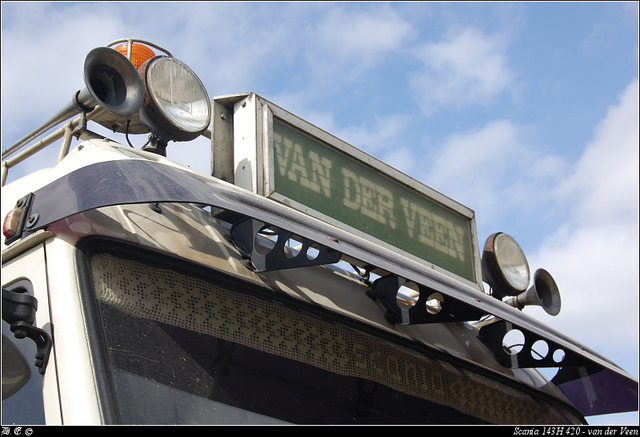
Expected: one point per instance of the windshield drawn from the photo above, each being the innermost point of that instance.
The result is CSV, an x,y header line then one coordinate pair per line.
x,y
187,346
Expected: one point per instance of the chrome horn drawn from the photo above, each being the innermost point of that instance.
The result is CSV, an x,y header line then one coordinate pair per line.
x,y
111,81
544,292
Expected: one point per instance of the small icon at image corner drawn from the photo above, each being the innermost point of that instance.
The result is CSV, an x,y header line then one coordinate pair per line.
x,y
18,430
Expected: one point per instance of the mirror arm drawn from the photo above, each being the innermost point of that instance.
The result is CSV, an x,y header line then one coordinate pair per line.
x,y
18,310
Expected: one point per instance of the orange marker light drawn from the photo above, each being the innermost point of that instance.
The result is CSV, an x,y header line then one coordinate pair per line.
x,y
140,53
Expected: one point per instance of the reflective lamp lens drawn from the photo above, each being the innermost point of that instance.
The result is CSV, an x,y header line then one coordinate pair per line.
x,y
512,261
179,95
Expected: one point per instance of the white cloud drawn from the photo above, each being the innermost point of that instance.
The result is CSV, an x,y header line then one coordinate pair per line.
x,y
345,44
493,170
362,35
42,60
466,68
594,254
378,138
606,177
402,158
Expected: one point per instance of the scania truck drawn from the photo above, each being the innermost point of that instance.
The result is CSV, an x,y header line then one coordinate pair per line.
x,y
299,281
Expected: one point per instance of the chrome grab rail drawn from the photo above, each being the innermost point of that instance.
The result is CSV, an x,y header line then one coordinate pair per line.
x,y
62,132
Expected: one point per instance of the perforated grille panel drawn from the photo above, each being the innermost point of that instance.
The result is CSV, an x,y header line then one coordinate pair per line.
x,y
169,297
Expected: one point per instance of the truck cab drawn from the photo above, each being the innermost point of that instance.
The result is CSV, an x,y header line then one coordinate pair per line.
x,y
301,281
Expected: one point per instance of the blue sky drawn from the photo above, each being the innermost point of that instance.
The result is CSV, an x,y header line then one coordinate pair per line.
x,y
525,112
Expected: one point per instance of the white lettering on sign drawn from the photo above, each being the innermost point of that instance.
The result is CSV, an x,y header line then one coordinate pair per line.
x,y
307,168
321,168
292,164
433,230
372,200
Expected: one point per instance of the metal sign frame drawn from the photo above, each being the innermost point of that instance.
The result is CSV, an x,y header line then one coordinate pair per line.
x,y
255,166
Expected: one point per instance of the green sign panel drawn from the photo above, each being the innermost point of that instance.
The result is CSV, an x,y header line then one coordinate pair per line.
x,y
324,179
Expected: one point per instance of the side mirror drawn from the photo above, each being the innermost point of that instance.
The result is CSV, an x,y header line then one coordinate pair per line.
x,y
19,311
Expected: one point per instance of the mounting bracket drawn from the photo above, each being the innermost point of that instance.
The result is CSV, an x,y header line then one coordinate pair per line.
x,y
425,305
530,350
269,248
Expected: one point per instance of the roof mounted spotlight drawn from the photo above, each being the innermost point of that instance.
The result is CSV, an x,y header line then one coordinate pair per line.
x,y
504,266
176,104
175,107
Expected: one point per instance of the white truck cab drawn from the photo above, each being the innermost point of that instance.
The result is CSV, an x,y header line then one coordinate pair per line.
x,y
302,281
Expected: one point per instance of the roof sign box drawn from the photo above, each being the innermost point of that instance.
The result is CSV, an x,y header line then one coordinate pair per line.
x,y
325,180
315,172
